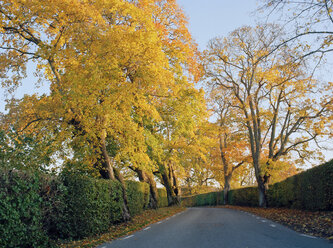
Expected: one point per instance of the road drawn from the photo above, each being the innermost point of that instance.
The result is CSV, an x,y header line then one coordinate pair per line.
x,y
216,227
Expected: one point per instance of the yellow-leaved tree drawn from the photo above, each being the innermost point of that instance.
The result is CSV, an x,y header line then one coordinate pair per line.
x,y
283,108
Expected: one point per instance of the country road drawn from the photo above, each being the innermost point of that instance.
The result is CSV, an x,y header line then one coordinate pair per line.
x,y
216,227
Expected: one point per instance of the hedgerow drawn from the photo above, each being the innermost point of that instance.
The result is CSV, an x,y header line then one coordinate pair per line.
x,y
309,190
36,209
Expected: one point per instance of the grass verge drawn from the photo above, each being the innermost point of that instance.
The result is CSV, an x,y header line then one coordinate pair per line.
x,y
319,223
138,222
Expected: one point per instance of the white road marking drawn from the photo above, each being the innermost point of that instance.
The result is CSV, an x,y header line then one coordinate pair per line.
x,y
146,228
272,225
103,247
128,237
159,222
263,221
257,218
308,236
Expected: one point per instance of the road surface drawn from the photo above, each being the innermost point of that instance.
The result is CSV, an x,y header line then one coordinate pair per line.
x,y
216,227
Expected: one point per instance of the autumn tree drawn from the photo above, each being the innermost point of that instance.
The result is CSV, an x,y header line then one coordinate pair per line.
x,y
309,22
232,140
197,161
116,70
103,61
283,109
181,107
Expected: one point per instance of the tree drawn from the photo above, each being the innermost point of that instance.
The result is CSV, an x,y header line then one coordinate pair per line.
x,y
282,108
232,141
114,68
103,61
178,131
308,21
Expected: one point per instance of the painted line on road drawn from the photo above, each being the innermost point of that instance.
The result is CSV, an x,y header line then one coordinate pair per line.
x,y
272,225
263,221
128,237
103,246
147,228
308,236
159,222
257,218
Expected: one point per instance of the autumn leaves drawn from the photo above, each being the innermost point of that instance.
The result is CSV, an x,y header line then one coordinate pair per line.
x,y
122,77
122,100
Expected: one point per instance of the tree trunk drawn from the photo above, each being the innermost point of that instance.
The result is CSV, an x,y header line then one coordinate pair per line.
x,y
168,180
149,178
227,179
119,177
262,194
108,171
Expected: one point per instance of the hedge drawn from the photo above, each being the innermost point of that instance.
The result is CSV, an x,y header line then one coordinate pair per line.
x,y
244,197
309,190
137,196
91,206
312,190
162,198
207,199
36,209
21,217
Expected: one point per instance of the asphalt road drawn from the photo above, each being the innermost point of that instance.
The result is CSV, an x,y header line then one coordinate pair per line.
x,y
216,227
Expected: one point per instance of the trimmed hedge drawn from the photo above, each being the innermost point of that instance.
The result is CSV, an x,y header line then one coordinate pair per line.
x,y
91,206
36,209
312,190
309,190
208,199
137,196
244,197
162,198
21,217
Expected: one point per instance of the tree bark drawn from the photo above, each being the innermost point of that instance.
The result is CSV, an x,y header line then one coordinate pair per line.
x,y
262,184
126,214
108,171
227,179
149,178
169,181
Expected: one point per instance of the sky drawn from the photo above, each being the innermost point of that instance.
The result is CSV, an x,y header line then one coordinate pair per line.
x,y
207,19
212,18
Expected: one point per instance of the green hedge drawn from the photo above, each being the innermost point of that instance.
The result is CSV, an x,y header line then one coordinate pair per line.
x,y
91,206
36,209
309,190
312,190
162,198
21,218
244,197
207,199
137,196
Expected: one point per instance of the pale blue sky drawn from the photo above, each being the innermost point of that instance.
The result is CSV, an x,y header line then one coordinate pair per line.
x,y
211,18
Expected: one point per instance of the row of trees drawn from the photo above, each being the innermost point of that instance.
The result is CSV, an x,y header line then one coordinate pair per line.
x,y
123,101
121,77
